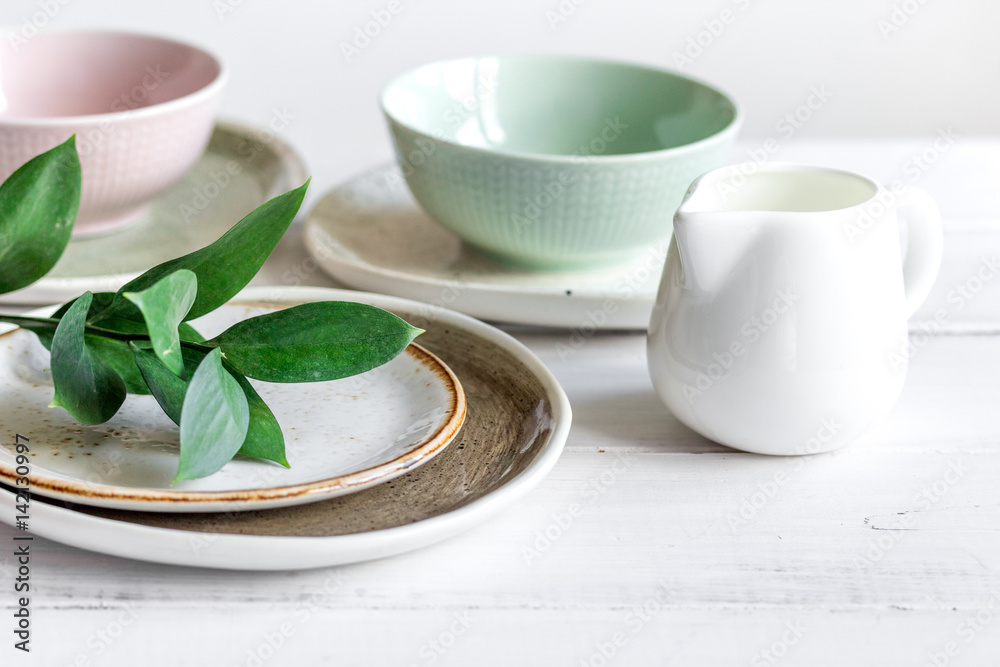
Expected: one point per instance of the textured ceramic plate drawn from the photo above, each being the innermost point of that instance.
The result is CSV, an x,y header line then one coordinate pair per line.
x,y
190,215
340,436
517,423
371,234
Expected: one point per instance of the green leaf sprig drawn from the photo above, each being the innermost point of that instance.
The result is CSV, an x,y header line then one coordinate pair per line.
x,y
138,340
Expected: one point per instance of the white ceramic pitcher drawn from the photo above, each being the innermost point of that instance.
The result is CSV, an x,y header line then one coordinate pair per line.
x,y
780,324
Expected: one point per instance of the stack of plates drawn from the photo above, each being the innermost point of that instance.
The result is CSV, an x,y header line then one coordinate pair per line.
x,y
413,452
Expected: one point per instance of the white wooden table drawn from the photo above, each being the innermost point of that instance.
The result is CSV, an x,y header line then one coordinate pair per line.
x,y
683,552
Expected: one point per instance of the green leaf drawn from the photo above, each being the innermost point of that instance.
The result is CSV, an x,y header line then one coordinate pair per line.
x,y
165,385
214,420
115,352
99,301
163,306
314,342
118,355
264,439
38,205
130,322
226,266
189,334
86,386
102,301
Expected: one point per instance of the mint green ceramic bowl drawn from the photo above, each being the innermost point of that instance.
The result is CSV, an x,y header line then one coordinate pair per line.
x,y
555,162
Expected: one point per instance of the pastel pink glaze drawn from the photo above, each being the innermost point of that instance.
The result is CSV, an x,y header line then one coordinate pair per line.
x,y
142,108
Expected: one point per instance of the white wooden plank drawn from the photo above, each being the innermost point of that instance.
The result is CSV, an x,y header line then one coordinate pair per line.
x,y
646,633
966,295
839,531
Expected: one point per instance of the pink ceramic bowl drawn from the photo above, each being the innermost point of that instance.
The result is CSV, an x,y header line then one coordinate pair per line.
x,y
142,109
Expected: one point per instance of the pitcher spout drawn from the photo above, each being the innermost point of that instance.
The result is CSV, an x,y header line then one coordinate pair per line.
x,y
712,241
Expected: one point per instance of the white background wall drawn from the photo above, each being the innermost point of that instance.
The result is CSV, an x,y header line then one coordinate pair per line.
x,y
940,68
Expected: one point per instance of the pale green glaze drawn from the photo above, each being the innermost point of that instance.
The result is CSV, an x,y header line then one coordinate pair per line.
x,y
555,162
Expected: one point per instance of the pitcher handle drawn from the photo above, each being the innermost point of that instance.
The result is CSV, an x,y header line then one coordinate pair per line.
x,y
924,247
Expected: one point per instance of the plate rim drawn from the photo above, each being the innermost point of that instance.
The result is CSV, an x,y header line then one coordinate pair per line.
x,y
144,499
272,553
352,270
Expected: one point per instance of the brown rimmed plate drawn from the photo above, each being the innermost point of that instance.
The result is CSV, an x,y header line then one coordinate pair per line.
x,y
340,436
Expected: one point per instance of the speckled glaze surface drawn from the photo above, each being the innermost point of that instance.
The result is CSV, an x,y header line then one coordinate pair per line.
x,y
369,233
517,423
193,213
141,107
554,162
340,436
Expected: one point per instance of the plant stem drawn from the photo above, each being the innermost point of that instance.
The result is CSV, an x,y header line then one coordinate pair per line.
x,y
50,323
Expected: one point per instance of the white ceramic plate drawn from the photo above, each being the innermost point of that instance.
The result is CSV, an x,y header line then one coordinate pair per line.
x,y
518,421
371,234
241,169
340,436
